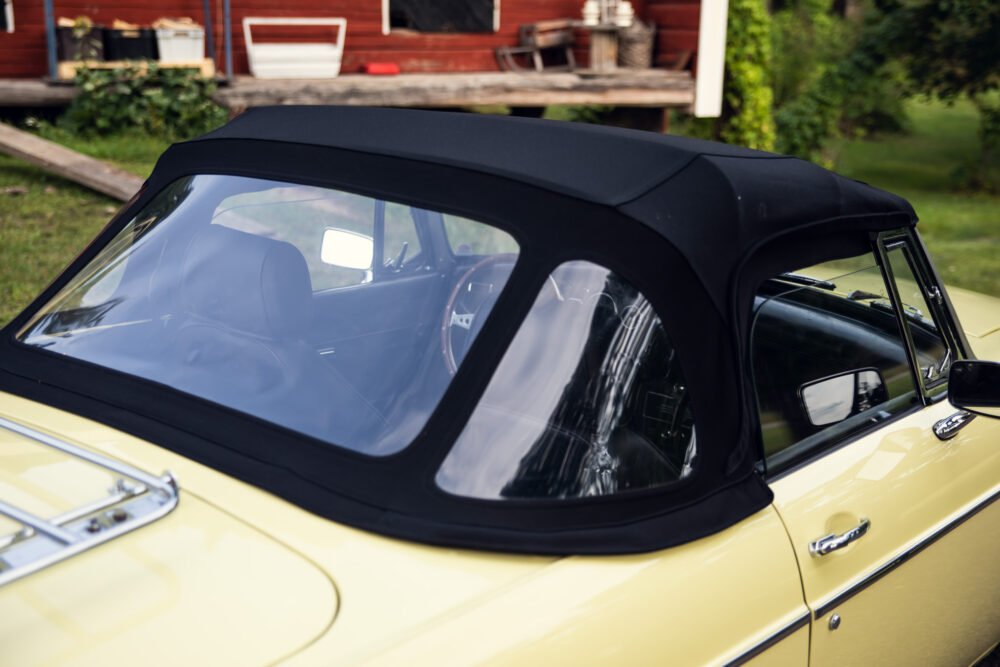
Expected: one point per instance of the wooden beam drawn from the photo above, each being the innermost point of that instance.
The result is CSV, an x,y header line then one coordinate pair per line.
x,y
61,161
34,93
67,69
649,88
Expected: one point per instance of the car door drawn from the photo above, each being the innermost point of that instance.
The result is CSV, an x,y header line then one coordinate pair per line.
x,y
895,528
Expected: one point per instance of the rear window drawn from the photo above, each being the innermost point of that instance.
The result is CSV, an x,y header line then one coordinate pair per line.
x,y
321,311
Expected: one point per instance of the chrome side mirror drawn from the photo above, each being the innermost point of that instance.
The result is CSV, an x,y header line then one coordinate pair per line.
x,y
833,399
975,386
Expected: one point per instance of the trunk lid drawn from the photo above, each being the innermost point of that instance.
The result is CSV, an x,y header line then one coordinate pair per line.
x,y
191,583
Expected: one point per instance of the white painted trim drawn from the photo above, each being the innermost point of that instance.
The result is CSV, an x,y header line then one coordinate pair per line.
x,y
711,58
496,15
8,8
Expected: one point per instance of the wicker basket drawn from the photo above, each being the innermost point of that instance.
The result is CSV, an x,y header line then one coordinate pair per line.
x,y
635,45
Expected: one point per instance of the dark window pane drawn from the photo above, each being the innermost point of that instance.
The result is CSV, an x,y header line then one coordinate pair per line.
x,y
828,360
587,401
442,15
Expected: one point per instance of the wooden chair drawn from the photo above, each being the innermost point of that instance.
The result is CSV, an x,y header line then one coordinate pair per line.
x,y
536,39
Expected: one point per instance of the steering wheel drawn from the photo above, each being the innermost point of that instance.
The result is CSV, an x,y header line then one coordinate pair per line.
x,y
463,309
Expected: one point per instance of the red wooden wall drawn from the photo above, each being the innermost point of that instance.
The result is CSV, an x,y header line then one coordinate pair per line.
x,y
677,26
22,53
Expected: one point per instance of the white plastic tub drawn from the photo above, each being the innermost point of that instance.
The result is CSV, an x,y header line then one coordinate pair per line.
x,y
181,45
295,60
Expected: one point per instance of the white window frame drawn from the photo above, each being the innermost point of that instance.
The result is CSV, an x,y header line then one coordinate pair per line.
x,y
387,29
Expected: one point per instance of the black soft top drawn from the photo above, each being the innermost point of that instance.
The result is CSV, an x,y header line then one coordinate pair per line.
x,y
694,192
696,226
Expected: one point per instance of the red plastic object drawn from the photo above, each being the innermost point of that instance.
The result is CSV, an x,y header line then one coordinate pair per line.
x,y
382,69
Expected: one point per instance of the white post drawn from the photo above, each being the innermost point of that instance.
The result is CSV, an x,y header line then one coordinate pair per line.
x,y
711,58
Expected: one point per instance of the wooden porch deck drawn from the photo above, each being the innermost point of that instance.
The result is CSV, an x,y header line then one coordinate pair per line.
x,y
637,88
654,88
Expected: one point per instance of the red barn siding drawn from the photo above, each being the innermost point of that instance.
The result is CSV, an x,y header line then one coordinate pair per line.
x,y
22,53
677,24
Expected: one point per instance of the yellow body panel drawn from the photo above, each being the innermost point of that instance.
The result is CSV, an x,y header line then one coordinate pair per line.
x,y
938,607
399,603
197,578
698,604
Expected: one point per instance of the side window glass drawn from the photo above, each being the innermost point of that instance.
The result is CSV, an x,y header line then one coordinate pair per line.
x,y
933,355
828,358
588,400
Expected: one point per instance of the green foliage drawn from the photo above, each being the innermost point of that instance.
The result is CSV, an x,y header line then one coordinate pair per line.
x,y
949,48
168,102
806,39
876,103
747,117
944,49
809,39
959,227
807,120
579,113
984,174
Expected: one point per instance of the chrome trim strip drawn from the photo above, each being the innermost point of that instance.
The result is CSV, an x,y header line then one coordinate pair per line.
x,y
884,569
755,650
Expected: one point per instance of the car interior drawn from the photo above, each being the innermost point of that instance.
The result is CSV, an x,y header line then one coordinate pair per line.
x,y
812,339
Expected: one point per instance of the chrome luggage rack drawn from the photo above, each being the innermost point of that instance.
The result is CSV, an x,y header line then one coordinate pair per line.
x,y
136,499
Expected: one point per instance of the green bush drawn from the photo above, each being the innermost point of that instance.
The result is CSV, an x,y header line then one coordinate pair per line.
x,y
747,118
168,102
827,83
806,38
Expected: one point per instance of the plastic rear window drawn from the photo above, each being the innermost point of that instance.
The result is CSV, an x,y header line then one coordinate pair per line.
x,y
321,311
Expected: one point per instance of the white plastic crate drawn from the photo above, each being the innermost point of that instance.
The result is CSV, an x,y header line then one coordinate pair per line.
x,y
180,45
295,60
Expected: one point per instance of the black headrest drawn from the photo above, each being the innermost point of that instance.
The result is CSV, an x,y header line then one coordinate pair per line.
x,y
247,282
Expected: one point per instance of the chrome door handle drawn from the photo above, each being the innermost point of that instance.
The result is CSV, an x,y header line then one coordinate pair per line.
x,y
948,428
832,542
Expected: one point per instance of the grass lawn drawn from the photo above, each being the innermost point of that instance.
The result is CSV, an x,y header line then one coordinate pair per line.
x,y
45,221
961,230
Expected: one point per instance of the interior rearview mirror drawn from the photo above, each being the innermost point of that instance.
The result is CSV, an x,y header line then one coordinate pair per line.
x,y
975,386
835,398
348,250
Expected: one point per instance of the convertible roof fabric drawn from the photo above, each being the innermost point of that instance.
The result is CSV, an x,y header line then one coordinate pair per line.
x,y
696,226
694,192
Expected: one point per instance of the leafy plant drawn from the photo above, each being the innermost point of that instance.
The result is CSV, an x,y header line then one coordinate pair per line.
x,y
170,102
942,49
89,40
747,117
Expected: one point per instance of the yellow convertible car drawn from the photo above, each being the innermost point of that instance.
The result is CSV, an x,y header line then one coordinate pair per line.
x,y
383,387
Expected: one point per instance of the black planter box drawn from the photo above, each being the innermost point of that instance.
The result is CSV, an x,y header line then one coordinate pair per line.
x,y
137,44
86,46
